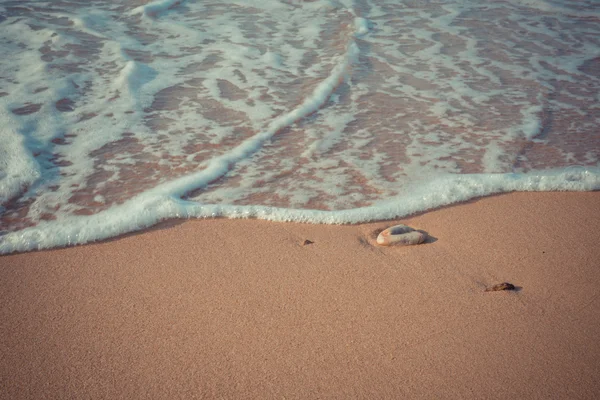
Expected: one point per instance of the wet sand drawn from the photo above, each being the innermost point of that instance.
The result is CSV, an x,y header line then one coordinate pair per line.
x,y
243,309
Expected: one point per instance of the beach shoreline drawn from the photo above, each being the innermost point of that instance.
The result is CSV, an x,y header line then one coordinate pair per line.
x,y
244,309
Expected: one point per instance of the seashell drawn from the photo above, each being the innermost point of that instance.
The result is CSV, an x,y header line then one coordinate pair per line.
x,y
401,235
501,286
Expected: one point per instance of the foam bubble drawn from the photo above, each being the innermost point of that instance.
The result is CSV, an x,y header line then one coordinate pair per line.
x,y
153,9
361,26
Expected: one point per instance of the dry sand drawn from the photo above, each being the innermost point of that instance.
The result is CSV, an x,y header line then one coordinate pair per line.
x,y
242,309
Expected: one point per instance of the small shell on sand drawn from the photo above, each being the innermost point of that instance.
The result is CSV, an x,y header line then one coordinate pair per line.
x,y
501,286
401,235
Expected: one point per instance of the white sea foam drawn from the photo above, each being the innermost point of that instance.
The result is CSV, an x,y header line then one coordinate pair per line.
x,y
116,116
154,8
149,209
361,26
18,169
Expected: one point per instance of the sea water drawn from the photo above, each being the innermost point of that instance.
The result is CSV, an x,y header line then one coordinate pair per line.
x,y
117,114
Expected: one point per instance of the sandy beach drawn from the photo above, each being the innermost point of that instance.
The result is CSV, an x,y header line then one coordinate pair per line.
x,y
243,309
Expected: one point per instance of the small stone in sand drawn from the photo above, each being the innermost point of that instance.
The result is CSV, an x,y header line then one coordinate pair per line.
x,y
307,242
501,286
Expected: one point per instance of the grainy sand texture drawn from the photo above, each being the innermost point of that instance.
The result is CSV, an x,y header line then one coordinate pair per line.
x,y
244,309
